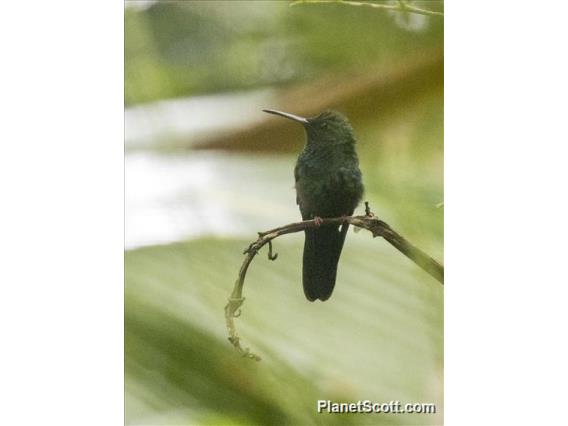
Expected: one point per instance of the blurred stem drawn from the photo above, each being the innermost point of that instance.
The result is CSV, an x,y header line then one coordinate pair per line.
x,y
400,6
370,222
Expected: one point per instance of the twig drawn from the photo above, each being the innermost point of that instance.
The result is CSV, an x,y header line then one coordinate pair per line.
x,y
370,222
400,6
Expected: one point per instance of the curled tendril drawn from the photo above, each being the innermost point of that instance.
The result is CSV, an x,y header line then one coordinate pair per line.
x,y
270,256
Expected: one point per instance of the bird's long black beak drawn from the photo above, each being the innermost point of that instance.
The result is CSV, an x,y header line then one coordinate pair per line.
x,y
287,115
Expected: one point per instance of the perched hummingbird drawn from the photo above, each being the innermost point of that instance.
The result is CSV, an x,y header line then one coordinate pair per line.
x,y
328,184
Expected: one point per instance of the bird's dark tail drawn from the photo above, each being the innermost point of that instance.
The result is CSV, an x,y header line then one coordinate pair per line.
x,y
322,249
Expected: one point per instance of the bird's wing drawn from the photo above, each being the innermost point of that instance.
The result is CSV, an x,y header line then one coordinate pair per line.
x,y
297,176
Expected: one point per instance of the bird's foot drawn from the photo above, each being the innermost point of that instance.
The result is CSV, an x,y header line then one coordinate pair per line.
x,y
318,221
344,218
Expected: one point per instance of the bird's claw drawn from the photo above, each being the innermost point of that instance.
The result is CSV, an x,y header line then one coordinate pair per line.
x,y
318,221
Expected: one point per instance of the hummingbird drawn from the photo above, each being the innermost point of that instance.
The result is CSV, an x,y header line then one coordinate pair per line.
x,y
328,184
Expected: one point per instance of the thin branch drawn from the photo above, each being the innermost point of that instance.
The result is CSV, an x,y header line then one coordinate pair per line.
x,y
400,6
370,222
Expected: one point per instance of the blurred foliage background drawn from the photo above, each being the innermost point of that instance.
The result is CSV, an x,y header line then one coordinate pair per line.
x,y
206,170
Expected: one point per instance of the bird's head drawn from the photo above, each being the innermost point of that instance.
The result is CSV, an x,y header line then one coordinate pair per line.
x,y
329,127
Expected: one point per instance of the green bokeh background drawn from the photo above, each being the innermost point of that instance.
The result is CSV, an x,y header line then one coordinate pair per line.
x,y
380,336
